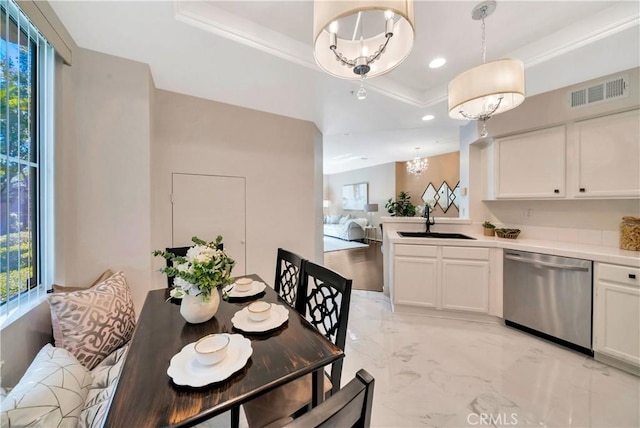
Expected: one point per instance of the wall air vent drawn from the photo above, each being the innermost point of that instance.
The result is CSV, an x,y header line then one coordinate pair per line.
x,y
600,92
578,98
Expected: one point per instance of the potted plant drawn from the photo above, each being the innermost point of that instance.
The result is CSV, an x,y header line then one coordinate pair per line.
x,y
488,229
403,207
197,276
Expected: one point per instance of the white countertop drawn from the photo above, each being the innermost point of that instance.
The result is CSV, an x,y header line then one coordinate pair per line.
x,y
597,253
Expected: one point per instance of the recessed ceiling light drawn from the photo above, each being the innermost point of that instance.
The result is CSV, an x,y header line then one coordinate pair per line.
x,y
428,117
437,62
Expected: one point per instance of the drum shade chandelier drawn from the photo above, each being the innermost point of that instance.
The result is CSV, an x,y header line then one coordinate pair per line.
x,y
489,88
357,39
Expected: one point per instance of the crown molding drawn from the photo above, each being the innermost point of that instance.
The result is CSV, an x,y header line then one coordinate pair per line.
x,y
207,17
584,38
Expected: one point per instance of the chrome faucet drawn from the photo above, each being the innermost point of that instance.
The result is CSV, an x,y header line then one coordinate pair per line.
x,y
427,210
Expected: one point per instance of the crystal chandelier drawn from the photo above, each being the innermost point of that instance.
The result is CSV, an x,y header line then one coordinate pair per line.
x,y
417,165
489,88
352,39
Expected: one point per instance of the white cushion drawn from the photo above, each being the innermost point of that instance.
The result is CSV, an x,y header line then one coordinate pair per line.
x,y
50,394
361,221
334,219
105,380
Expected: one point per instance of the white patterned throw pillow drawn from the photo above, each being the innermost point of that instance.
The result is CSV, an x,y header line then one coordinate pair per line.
x,y
50,394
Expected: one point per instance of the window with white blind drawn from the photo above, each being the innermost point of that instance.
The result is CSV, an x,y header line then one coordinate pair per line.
x,y
26,78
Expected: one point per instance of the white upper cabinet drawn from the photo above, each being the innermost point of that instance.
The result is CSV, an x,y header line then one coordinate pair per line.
x,y
595,158
606,161
531,165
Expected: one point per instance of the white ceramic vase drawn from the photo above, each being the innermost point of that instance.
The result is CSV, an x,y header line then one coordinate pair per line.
x,y
195,310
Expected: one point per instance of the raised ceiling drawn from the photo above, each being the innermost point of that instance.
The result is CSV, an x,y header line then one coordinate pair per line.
x,y
257,54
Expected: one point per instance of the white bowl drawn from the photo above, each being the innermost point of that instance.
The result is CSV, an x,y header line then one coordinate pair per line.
x,y
211,349
243,284
259,311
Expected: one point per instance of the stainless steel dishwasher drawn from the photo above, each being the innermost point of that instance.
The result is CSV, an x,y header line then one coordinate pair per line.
x,y
549,296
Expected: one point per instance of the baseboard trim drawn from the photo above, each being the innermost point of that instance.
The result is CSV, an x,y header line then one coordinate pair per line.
x,y
622,365
439,313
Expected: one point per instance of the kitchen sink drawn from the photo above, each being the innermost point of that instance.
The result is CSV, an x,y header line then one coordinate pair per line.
x,y
434,235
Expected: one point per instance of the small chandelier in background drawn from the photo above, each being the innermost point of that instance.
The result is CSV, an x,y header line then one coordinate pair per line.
x,y
353,39
487,89
417,165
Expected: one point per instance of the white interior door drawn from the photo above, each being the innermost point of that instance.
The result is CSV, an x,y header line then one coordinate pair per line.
x,y
207,206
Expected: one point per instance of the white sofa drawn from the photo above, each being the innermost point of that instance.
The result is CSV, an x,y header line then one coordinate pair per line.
x,y
345,227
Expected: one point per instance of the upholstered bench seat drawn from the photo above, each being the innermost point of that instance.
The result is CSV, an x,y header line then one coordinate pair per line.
x,y
71,384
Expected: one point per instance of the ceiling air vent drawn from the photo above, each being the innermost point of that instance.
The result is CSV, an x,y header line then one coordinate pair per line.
x,y
600,92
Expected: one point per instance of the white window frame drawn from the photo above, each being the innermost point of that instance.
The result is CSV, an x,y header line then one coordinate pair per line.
x,y
24,302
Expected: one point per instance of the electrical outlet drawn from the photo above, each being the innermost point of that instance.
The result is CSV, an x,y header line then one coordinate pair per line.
x,y
526,213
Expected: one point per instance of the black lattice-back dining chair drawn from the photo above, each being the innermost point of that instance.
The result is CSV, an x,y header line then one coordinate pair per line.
x,y
289,269
181,252
349,407
324,298
178,251
326,307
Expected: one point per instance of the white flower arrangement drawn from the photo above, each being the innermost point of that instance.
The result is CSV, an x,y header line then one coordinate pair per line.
x,y
204,268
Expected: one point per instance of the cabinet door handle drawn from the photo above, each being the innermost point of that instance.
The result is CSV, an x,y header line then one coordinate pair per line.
x,y
556,190
632,276
582,190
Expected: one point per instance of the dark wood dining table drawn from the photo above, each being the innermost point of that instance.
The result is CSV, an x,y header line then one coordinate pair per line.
x,y
147,397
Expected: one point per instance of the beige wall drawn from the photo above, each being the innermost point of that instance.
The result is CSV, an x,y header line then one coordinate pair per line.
x,y
277,155
552,108
441,168
118,140
102,172
381,186
318,193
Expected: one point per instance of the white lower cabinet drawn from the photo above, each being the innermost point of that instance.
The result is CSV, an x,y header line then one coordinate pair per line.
x,y
616,313
438,277
465,279
416,265
421,272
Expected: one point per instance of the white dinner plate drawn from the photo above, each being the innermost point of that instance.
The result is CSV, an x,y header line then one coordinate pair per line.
x,y
278,316
185,369
257,287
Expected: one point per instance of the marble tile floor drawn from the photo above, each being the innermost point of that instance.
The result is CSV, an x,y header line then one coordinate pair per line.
x,y
437,372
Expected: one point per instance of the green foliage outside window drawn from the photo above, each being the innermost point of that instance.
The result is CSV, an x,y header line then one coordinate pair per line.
x,y
18,159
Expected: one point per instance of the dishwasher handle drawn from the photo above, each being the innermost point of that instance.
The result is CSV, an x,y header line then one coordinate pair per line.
x,y
546,264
